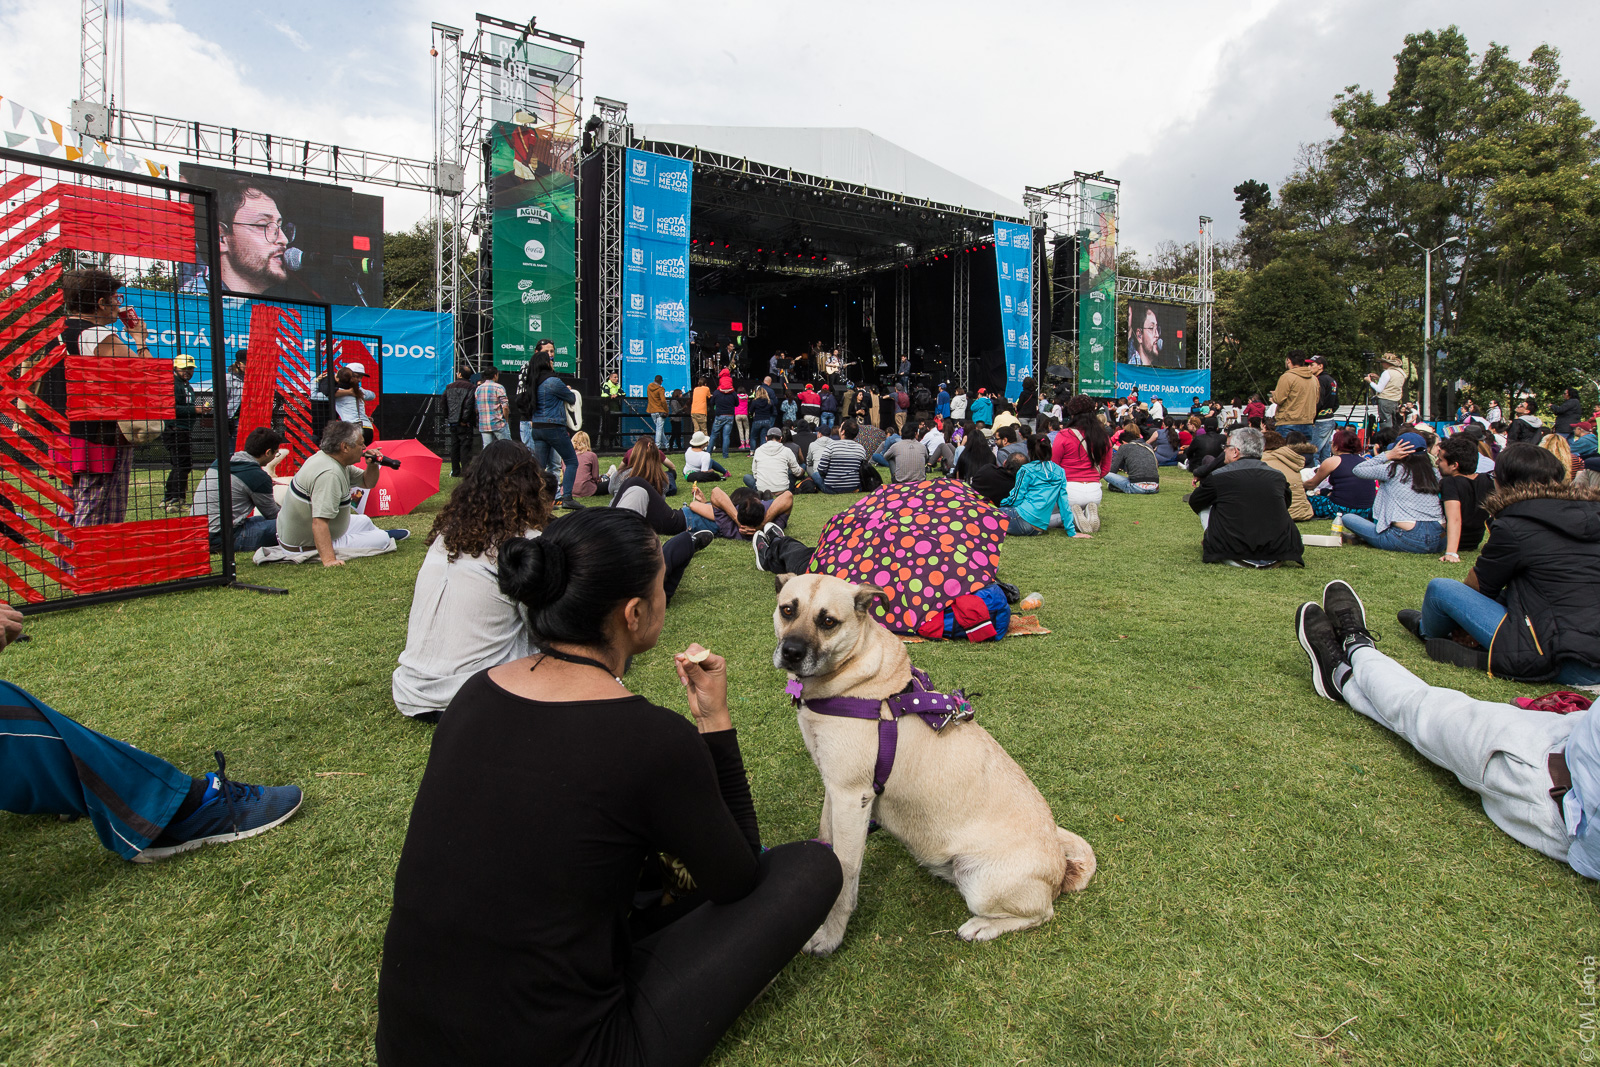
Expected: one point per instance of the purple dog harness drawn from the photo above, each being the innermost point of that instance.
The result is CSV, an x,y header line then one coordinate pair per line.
x,y
938,710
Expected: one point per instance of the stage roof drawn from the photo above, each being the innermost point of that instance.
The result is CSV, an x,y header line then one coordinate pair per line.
x,y
845,154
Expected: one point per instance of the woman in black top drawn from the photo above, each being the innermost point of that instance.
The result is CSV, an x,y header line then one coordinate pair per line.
x,y
517,934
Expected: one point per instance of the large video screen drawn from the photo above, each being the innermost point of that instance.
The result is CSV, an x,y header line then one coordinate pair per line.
x,y
1156,335
290,239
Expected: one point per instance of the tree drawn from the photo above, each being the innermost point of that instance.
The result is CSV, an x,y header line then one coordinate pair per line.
x,y
408,267
1294,302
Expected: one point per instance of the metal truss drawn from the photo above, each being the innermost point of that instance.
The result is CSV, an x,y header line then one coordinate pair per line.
x,y
92,52
961,334
1150,289
841,324
1208,292
449,160
614,135
902,316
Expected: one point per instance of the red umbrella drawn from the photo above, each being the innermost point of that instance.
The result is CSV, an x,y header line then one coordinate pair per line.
x,y
925,543
398,492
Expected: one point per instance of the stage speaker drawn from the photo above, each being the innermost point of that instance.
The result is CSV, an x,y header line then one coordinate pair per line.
x,y
1064,286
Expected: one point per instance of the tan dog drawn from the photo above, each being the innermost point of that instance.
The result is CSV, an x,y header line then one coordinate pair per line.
x,y
960,805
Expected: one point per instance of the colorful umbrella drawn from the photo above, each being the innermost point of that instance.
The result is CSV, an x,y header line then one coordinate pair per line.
x,y
399,491
871,438
926,543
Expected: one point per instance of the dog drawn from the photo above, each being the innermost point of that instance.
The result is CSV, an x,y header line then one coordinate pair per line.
x,y
956,800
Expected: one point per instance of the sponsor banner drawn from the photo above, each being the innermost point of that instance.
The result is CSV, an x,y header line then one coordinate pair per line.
x,y
1097,290
535,232
1178,389
1013,264
655,272
417,345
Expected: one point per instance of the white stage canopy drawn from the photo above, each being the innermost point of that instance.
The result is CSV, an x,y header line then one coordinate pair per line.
x,y
843,153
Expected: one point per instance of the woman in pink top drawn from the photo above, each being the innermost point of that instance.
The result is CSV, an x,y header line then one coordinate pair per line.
x,y
741,418
1083,452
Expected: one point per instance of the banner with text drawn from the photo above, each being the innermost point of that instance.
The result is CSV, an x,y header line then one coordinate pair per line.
x,y
1178,389
655,272
1013,264
535,240
1097,289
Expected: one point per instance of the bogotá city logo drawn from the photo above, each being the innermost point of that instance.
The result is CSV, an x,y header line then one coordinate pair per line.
x,y
534,250
636,348
673,226
672,268
638,168
638,214
675,355
675,180
671,311
636,301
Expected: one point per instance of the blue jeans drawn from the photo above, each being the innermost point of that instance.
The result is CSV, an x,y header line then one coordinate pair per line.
x,y
1448,603
1423,538
545,439
827,420
1322,436
723,427
1285,429
822,486
525,432
1019,526
697,521
758,432
661,430
1120,483
252,534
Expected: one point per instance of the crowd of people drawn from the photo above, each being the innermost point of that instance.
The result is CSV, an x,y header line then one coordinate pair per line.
x,y
519,614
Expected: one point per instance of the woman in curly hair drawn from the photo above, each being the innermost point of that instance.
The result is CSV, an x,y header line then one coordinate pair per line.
x,y
460,621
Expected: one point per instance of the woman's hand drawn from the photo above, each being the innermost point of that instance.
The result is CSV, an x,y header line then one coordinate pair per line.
x,y
1401,450
706,685
1450,557
1083,535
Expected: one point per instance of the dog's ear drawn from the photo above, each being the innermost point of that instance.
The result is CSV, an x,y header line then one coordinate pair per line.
x,y
781,580
867,595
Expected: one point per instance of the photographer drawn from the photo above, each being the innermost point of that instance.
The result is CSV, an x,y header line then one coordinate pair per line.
x,y
317,513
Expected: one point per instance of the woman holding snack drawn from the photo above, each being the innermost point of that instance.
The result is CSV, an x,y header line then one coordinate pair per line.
x,y
517,932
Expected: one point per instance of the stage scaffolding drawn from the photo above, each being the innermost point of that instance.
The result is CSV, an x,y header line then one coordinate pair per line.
x,y
961,332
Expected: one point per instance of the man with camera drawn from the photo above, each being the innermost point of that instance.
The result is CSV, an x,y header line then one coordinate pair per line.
x,y
317,514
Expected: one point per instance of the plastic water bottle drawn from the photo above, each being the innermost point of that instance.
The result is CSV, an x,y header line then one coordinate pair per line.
x,y
1338,526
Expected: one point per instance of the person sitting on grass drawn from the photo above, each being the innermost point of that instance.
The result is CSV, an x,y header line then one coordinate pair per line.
x,y
1038,499
250,472
906,459
1346,493
460,622
1243,506
1531,602
142,807
1009,441
1134,466
1462,493
1406,515
1557,446
639,458
587,481
317,515
698,466
773,467
839,468
1537,774
519,931
1288,458
1167,444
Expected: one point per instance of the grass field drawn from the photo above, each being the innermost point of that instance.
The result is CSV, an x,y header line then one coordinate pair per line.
x,y
1271,864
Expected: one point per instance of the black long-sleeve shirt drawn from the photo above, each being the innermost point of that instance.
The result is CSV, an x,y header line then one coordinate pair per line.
x,y
509,934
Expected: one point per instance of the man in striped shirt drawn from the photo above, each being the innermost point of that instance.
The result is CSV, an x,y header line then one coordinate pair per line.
x,y
839,468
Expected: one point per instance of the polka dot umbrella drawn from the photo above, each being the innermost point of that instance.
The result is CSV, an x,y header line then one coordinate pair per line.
x,y
926,543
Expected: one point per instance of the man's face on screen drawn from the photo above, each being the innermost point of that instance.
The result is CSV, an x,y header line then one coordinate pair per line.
x,y
1149,337
253,245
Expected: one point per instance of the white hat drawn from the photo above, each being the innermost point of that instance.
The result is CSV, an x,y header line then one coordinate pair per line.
x,y
356,368
699,440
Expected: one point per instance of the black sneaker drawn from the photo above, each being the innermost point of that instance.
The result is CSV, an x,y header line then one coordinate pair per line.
x,y
1347,614
1411,622
229,811
1322,646
762,543
702,538
1444,650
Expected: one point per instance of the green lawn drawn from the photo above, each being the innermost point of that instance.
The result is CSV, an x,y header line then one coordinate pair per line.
x,y
1271,864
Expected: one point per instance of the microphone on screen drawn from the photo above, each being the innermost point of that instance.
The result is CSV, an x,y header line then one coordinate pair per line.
x,y
298,259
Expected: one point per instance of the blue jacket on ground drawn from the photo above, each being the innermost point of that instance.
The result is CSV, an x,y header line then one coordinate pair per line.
x,y
1041,488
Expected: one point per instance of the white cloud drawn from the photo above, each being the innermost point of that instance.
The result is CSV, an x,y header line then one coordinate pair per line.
x,y
294,35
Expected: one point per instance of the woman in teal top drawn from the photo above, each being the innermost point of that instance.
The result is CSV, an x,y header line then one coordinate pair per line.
x,y
1039,494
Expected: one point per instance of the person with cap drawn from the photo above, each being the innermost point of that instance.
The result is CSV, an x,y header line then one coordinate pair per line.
x,y
178,435
773,466
1386,388
1327,404
350,397
1406,513
982,411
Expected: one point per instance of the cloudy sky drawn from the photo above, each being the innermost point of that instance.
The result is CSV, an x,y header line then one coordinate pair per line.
x,y
1179,100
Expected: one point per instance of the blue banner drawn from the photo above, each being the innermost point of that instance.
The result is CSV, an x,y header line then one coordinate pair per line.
x,y
1013,264
655,272
417,345
1178,389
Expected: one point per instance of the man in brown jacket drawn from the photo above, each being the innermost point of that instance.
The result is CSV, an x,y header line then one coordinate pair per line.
x,y
1296,395
656,407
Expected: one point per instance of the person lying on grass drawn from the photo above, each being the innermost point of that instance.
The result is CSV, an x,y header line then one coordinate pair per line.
x,y
142,807
736,515
583,878
1537,772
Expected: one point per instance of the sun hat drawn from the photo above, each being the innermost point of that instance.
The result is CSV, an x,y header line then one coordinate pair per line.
x,y
699,440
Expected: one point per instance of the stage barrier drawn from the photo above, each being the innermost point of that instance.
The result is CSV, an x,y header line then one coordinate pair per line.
x,y
102,441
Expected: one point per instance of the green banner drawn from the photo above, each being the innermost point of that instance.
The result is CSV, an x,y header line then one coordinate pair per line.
x,y
535,235
1097,290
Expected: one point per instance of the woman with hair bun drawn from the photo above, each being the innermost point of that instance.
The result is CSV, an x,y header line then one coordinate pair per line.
x,y
517,933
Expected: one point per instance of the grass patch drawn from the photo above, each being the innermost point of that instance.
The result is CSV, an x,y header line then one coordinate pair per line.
x,y
1271,864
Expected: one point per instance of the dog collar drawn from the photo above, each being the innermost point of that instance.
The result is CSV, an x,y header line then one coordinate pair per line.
x,y
918,698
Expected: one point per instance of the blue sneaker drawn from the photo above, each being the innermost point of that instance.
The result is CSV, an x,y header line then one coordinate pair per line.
x,y
228,811
398,535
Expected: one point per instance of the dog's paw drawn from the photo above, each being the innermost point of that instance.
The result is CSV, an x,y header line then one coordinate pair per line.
x,y
987,928
822,943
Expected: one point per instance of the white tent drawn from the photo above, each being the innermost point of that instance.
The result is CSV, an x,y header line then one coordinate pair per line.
x,y
846,154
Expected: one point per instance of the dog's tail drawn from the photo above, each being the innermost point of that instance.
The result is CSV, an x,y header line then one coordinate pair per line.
x,y
1080,861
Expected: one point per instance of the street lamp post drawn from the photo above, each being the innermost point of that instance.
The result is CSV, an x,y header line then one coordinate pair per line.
x,y
1427,320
